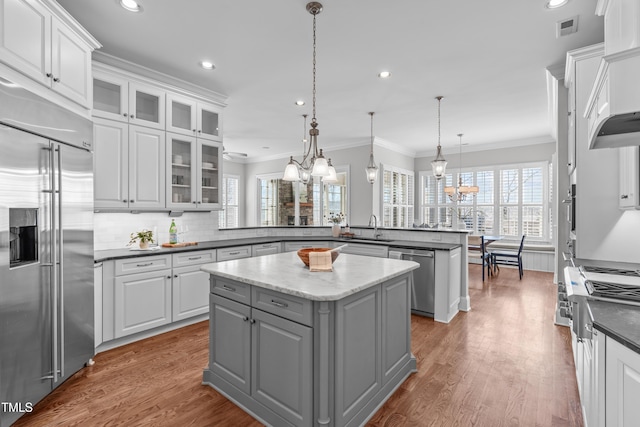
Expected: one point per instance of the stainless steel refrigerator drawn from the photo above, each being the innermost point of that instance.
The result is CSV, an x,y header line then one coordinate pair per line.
x,y
46,248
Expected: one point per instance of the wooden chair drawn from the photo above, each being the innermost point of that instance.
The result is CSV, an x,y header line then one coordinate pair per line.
x,y
477,250
509,258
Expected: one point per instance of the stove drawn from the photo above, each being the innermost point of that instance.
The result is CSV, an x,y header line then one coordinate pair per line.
x,y
588,282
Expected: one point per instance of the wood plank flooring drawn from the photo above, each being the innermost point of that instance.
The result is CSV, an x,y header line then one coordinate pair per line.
x,y
504,363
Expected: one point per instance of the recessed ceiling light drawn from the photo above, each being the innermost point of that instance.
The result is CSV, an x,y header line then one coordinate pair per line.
x,y
300,103
207,65
266,148
554,4
131,5
384,74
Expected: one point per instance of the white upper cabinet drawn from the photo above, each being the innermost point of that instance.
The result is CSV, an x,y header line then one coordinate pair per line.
x,y
188,116
116,98
40,40
621,24
195,172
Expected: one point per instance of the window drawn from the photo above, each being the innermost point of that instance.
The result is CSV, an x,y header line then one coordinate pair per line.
x,y
228,216
334,198
268,202
513,200
397,197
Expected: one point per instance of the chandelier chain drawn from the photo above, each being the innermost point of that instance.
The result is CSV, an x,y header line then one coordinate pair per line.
x,y
314,68
371,132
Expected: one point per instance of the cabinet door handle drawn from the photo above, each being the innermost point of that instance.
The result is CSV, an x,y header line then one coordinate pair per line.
x,y
175,275
125,114
144,265
131,201
168,277
252,321
193,258
56,79
245,318
624,196
199,131
588,328
234,253
228,288
124,201
48,74
194,130
132,116
279,304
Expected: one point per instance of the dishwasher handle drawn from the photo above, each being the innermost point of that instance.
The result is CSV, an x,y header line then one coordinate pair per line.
x,y
421,255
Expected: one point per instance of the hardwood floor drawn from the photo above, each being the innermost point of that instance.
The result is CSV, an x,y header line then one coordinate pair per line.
x,y
504,363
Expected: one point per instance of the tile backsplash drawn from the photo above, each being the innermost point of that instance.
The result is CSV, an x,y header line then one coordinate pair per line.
x,y
112,230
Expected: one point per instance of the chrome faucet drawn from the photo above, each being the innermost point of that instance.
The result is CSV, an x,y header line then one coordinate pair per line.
x,y
375,226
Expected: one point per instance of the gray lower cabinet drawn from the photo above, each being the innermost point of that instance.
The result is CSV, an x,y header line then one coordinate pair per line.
x,y
290,361
190,290
266,357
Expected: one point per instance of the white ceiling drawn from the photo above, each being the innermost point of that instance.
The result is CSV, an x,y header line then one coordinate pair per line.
x,y
487,58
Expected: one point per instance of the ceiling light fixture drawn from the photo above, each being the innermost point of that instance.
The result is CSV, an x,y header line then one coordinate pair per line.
x,y
439,165
372,169
316,160
460,193
207,65
554,4
131,5
299,103
384,74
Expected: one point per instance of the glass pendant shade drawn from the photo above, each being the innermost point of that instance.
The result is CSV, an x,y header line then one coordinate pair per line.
x,y
439,165
305,175
332,178
291,172
320,166
372,171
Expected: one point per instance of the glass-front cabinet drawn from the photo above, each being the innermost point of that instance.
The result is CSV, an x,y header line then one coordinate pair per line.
x,y
116,98
190,117
196,167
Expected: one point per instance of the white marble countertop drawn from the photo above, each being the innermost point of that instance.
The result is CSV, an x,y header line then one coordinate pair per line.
x,y
285,272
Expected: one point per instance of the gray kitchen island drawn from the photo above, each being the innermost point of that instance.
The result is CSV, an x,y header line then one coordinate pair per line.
x,y
299,348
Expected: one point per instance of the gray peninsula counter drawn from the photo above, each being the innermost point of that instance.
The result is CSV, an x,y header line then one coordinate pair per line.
x,y
299,348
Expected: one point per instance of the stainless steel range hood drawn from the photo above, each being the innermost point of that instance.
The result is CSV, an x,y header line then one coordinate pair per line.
x,y
619,131
613,108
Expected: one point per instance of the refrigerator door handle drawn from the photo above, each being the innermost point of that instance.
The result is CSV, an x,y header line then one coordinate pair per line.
x,y
54,265
58,228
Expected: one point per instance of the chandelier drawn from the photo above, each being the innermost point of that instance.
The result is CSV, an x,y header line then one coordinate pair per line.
x,y
313,160
460,193
372,169
439,164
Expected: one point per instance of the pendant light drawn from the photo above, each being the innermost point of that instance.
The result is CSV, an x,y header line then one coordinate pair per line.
x,y
460,193
439,165
332,178
372,169
314,157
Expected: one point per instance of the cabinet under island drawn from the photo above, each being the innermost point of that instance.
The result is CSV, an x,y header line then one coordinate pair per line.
x,y
299,348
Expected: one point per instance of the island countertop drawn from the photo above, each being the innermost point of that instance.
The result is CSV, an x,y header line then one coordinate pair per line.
x,y
285,272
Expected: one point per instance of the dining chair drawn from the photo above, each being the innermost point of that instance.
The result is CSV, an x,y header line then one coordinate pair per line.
x,y
478,250
509,258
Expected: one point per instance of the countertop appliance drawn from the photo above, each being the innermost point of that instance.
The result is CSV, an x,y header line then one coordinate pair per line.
x,y
46,248
424,282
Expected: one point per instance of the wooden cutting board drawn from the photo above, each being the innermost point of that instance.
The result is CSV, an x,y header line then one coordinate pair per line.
x,y
179,245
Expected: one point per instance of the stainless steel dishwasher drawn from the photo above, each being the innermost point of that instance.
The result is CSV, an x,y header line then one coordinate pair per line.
x,y
424,282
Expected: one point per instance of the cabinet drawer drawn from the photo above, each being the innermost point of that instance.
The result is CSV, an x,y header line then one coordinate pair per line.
x,y
142,264
294,246
283,305
193,258
236,291
368,250
234,253
266,249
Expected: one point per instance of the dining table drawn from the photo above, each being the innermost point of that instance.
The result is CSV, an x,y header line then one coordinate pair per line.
x,y
488,240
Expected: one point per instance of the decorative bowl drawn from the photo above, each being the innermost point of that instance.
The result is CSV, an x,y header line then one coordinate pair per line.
x,y
304,254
